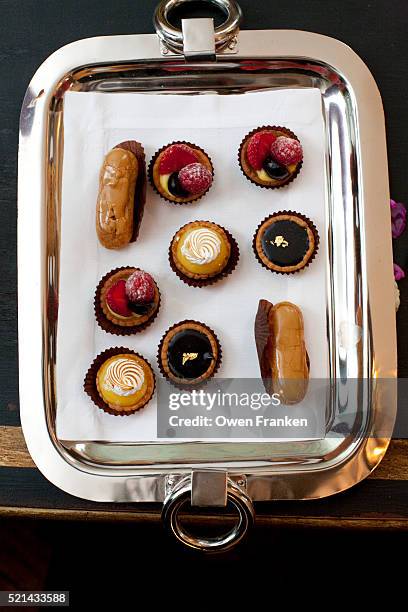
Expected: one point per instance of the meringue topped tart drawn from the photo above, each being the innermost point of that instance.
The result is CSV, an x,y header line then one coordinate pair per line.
x,y
200,249
125,382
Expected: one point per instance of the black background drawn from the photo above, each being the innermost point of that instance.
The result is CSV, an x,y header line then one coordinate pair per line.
x,y
32,29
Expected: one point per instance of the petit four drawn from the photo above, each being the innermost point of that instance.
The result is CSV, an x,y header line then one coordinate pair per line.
x,y
202,252
126,301
270,156
181,172
120,381
280,342
122,194
189,353
286,242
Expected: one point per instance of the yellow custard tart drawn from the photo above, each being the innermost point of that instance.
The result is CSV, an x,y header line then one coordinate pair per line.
x,y
120,381
202,251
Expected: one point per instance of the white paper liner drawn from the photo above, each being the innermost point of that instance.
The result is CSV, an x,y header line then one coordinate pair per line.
x,y
95,122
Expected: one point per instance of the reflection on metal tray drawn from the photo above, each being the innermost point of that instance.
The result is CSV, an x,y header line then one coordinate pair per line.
x,y
360,283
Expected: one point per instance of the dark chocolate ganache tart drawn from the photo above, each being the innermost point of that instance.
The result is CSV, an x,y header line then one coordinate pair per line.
x,y
189,354
285,243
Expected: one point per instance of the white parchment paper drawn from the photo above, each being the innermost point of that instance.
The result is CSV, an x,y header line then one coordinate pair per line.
x,y
93,123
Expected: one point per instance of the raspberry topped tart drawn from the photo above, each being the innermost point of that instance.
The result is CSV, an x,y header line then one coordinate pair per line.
x,y
271,156
181,172
126,301
202,252
120,381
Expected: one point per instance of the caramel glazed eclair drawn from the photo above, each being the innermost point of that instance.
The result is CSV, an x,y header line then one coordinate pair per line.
x,y
282,354
121,196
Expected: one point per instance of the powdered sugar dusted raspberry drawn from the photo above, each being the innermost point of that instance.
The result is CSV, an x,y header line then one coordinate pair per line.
x,y
175,157
259,147
140,287
287,151
195,178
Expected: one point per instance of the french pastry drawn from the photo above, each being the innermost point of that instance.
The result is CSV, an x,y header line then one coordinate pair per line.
x,y
181,172
282,354
286,242
202,252
189,353
126,301
271,156
120,381
121,196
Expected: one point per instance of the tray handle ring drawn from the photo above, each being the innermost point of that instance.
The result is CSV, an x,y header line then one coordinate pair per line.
x,y
180,496
172,37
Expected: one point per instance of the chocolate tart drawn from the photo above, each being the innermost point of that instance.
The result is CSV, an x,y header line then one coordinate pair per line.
x,y
251,173
189,354
286,242
109,380
154,174
112,322
202,252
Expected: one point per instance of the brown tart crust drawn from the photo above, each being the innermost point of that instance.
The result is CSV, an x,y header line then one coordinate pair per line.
x,y
203,280
162,358
154,174
251,174
303,222
110,321
91,382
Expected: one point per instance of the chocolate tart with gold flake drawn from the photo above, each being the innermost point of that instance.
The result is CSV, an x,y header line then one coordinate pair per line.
x,y
286,242
270,156
189,354
120,381
181,172
127,300
202,252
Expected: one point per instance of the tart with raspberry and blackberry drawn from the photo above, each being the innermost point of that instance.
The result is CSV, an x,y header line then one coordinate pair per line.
x,y
120,381
126,301
181,172
202,252
189,354
271,156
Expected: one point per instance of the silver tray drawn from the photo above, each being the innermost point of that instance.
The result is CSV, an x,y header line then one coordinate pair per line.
x,y
360,284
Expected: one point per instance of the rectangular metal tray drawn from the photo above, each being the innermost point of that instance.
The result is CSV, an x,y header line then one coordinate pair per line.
x,y
360,284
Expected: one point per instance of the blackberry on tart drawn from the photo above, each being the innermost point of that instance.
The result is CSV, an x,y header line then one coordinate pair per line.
x,y
126,301
181,172
271,156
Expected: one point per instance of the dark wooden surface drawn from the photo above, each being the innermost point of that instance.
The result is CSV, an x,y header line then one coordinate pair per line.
x,y
31,30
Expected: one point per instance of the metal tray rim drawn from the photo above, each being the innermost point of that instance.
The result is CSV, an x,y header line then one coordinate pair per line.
x,y
135,486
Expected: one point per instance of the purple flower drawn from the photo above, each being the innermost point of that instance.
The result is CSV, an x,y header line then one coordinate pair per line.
x,y
398,272
398,218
